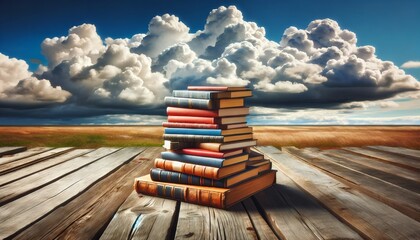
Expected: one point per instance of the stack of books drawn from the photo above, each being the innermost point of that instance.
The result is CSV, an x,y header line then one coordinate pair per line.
x,y
208,158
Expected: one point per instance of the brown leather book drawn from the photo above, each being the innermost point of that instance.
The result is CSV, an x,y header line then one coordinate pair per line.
x,y
207,196
199,170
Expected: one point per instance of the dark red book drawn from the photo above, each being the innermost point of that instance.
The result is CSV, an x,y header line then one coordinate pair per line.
x,y
207,153
176,111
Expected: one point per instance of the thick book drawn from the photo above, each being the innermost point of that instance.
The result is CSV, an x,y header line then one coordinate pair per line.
x,y
204,103
205,161
207,120
211,94
199,170
207,196
212,132
206,138
203,125
225,112
219,147
255,156
216,88
260,165
170,145
161,175
207,153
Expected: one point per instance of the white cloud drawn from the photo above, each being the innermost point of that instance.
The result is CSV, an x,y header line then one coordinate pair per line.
x,y
411,64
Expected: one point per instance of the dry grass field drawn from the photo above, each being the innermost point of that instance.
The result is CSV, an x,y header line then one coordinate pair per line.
x,y
123,136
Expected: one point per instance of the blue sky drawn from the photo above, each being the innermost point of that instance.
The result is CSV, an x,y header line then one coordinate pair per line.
x,y
389,26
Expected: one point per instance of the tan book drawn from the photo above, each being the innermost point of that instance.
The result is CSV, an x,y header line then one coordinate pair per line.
x,y
217,147
207,196
199,170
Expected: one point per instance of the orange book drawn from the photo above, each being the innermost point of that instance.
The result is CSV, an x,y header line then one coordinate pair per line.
x,y
207,196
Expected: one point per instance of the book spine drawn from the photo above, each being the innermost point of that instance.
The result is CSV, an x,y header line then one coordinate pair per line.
x,y
193,138
187,168
189,119
193,94
206,161
190,125
202,152
210,146
210,88
175,177
212,132
176,111
187,194
188,103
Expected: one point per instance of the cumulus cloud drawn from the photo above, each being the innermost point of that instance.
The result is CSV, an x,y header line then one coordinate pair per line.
x,y
411,64
18,87
318,66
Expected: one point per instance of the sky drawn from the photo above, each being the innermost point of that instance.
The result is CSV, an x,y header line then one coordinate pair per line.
x,y
308,62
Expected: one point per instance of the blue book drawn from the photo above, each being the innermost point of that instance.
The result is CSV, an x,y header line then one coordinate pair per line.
x,y
194,131
205,161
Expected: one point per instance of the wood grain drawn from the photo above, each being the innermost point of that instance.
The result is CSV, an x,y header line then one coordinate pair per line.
x,y
406,152
399,198
200,222
22,212
21,163
395,159
11,150
25,154
33,182
30,170
261,227
369,217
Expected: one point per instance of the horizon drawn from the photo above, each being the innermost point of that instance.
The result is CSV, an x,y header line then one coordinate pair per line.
x,y
323,64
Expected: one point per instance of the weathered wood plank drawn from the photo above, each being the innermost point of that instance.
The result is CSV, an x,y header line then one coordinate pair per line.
x,y
25,154
369,162
397,197
387,158
11,150
369,217
22,212
142,217
406,152
200,222
21,173
261,227
84,216
21,163
26,185
308,215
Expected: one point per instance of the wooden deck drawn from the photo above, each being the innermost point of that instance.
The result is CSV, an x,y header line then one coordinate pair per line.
x,y
349,193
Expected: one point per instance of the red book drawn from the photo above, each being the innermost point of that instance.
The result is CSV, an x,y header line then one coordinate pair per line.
x,y
207,153
216,88
176,111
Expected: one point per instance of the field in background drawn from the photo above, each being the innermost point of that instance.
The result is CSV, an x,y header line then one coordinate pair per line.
x,y
124,136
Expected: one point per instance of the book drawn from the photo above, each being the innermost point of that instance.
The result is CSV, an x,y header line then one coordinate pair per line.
x,y
207,153
205,161
212,132
216,88
260,165
207,196
255,156
206,138
199,170
219,147
203,103
211,94
161,175
207,120
176,145
203,125
225,112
